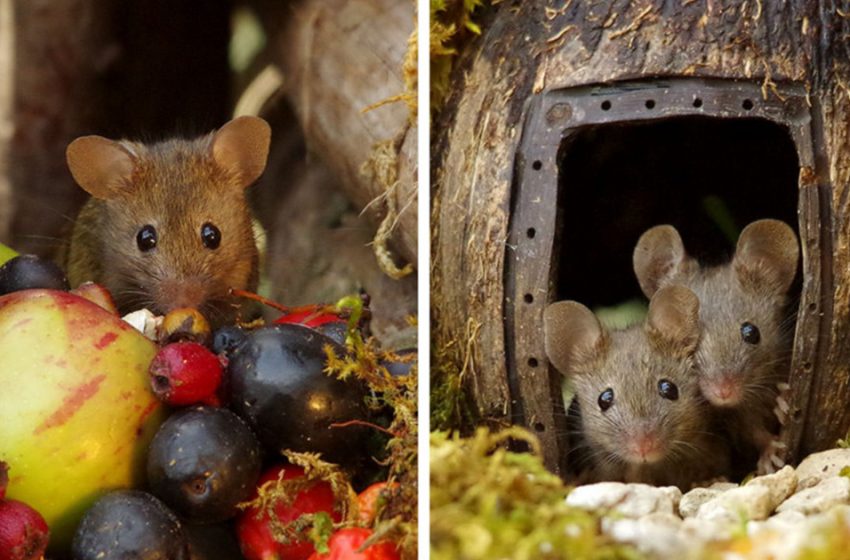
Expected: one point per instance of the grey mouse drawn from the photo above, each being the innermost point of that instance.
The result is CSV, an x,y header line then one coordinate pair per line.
x,y
744,354
642,416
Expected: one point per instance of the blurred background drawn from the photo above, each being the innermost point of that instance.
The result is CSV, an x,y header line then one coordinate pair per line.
x,y
329,76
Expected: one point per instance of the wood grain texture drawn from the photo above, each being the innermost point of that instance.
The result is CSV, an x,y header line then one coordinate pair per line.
x,y
827,417
533,47
53,65
317,240
339,57
472,169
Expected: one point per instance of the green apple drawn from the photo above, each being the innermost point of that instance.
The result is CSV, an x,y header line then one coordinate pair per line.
x,y
6,253
76,409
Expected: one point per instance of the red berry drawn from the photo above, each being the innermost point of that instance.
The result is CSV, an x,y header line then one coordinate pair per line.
x,y
185,373
253,529
4,479
23,532
370,500
345,543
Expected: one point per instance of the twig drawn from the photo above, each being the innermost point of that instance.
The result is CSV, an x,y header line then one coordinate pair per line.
x,y
314,308
349,423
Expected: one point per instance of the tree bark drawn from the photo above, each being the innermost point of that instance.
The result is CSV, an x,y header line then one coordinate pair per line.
x,y
47,97
532,48
339,58
318,241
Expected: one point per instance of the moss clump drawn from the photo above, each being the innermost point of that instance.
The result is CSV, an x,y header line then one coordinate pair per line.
x,y
396,519
488,502
451,24
451,406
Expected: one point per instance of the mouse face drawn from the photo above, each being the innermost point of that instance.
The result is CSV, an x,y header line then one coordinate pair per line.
x,y
171,224
637,388
745,342
637,403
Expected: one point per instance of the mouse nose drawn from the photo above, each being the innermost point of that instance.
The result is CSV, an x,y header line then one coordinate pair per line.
x,y
177,293
646,446
724,390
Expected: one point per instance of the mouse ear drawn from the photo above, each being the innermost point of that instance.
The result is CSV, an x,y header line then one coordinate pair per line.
x,y
658,257
242,147
767,254
102,167
672,322
572,334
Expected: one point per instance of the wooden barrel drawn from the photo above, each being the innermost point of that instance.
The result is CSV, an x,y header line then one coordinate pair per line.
x,y
555,108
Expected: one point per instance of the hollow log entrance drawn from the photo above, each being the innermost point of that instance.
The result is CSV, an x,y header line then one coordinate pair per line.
x,y
707,177
599,165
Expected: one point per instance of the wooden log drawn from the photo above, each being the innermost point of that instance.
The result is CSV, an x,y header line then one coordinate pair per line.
x,y
339,58
7,105
49,67
318,242
532,49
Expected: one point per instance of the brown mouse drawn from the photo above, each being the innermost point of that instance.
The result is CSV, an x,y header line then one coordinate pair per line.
x,y
642,416
745,349
168,224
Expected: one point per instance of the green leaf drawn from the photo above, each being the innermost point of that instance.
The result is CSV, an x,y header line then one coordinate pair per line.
x,y
6,253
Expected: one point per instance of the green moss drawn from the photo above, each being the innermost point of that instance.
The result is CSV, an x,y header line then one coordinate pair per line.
x,y
488,502
397,519
451,24
451,408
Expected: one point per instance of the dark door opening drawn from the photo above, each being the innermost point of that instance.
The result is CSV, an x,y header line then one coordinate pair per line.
x,y
709,177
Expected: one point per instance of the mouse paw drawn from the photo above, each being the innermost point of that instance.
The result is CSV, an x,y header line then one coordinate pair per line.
x,y
782,408
770,460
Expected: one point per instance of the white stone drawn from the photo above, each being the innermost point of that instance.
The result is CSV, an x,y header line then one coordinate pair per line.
x,y
655,535
722,486
702,531
628,500
693,500
790,541
780,523
819,466
781,484
829,493
745,503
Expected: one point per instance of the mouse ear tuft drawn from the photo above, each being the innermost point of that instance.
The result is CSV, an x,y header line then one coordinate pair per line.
x,y
572,335
672,321
658,258
102,167
767,255
241,147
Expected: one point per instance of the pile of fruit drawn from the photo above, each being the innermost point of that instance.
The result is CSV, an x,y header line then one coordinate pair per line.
x,y
248,441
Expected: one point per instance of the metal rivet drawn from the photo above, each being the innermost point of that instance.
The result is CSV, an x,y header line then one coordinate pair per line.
x,y
559,113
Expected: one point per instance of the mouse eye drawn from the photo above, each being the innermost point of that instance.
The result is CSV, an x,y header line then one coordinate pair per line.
x,y
750,333
146,238
668,390
210,236
606,399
